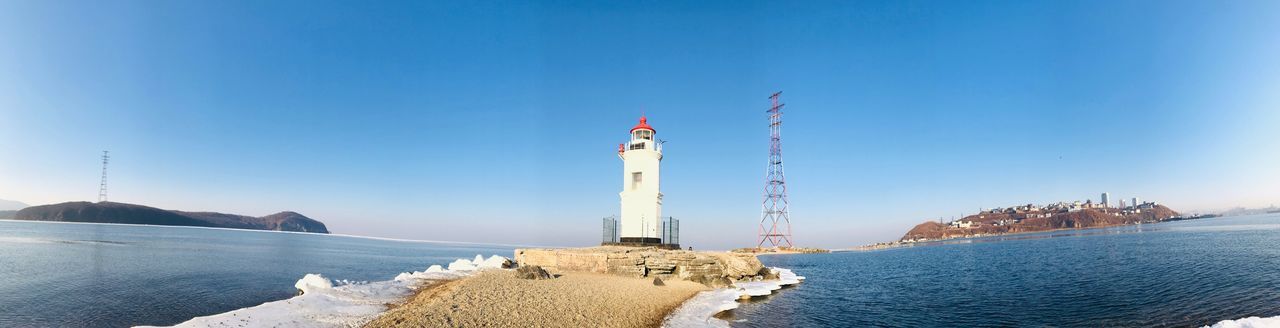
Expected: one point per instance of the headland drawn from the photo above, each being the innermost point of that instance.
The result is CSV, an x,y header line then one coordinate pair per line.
x,y
113,212
609,286
1032,218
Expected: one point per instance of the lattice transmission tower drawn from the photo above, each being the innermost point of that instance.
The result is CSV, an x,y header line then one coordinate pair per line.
x,y
775,224
102,187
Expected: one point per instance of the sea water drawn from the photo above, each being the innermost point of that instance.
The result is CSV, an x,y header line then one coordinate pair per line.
x,y
1175,274
102,275
1188,273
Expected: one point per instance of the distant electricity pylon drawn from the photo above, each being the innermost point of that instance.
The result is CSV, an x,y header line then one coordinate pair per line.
x,y
775,224
102,187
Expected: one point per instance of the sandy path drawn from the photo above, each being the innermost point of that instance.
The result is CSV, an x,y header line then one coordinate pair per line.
x,y
499,299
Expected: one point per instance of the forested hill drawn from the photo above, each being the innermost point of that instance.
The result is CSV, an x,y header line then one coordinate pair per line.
x,y
111,212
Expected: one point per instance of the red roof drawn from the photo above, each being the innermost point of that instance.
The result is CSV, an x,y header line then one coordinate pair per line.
x,y
644,124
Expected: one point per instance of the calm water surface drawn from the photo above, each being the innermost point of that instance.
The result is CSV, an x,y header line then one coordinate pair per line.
x,y
99,275
1175,274
1171,274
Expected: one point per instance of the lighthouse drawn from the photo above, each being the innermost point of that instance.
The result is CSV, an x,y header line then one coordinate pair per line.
x,y
641,199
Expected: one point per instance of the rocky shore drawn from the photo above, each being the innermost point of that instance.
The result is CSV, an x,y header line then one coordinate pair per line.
x,y
607,286
714,269
581,287
781,250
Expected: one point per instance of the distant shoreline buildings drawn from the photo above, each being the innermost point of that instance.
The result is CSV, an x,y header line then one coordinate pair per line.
x,y
1033,218
1031,211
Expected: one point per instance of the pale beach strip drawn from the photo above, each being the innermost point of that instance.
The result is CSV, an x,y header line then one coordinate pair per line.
x,y
466,294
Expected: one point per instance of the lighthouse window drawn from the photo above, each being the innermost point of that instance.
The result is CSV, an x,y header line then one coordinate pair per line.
x,y
636,177
644,134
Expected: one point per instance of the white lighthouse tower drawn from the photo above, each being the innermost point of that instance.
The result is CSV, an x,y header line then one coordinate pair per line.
x,y
641,200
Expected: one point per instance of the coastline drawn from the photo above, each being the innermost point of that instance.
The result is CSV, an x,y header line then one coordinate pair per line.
x,y
487,292
575,299
780,250
324,302
702,309
278,231
1033,218
935,242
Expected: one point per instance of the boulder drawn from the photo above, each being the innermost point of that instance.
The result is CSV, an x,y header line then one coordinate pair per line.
x,y
768,274
716,269
712,281
532,272
658,282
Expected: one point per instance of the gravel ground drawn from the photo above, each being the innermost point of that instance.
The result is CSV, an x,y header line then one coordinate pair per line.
x,y
499,299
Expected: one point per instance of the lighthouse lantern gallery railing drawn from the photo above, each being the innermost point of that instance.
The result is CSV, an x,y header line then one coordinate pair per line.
x,y
670,231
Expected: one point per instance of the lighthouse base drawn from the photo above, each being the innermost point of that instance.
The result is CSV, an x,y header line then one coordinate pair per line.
x,y
641,242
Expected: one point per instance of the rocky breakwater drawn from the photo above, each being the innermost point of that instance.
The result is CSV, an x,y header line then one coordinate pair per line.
x,y
781,250
714,269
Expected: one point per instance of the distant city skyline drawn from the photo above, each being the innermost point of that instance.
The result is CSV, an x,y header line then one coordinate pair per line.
x,y
499,122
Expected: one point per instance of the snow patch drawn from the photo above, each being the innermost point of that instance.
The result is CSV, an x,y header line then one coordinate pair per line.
x,y
312,282
1250,322
494,262
332,303
700,310
757,288
435,268
462,265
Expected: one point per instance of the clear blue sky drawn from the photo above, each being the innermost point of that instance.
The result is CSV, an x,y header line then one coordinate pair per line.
x,y
498,121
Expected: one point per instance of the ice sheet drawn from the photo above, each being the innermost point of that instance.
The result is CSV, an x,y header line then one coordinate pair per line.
x,y
700,310
333,303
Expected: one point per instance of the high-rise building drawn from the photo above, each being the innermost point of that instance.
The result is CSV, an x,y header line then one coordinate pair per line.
x,y
1106,201
1135,202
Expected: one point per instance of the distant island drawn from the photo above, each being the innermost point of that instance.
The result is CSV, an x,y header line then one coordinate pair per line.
x,y
111,212
1031,218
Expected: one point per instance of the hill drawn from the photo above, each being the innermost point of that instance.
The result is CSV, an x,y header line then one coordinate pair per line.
x,y
1003,223
111,212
